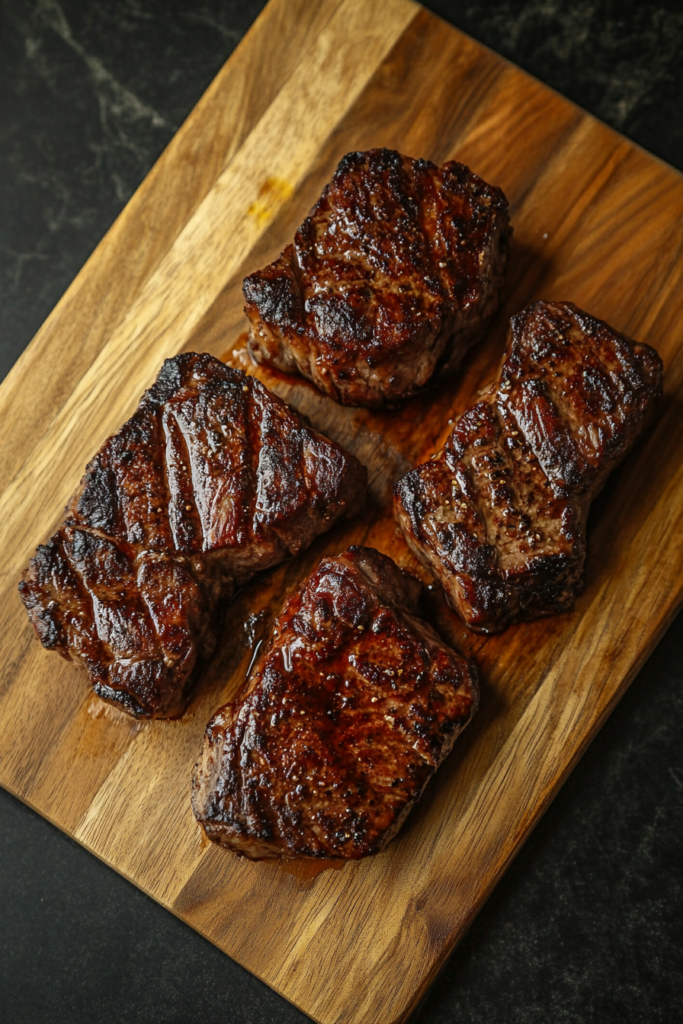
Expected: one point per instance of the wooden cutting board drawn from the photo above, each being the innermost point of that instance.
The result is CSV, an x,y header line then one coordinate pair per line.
x,y
597,221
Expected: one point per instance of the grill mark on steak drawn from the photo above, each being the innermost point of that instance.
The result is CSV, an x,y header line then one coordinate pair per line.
x,y
183,514
499,514
345,717
392,277
166,524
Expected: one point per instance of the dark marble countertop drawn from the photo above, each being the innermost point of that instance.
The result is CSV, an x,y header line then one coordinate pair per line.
x,y
588,923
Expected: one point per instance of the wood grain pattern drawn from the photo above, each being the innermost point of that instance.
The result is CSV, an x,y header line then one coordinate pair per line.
x,y
597,221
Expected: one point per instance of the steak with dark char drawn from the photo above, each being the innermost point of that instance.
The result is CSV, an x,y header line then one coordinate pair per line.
x,y
346,717
212,480
499,514
392,277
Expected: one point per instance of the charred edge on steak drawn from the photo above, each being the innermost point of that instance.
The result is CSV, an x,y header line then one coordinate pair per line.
x,y
390,280
499,514
211,480
345,718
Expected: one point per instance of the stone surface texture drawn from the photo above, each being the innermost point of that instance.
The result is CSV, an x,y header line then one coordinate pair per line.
x,y
587,926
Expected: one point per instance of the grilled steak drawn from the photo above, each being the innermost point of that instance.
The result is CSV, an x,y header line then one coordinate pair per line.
x,y
211,480
344,720
392,277
499,514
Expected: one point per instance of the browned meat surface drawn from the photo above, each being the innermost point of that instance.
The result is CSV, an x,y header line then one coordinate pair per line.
x,y
212,479
344,720
499,514
392,277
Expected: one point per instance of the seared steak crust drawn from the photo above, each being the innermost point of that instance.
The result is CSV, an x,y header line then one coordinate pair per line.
x,y
211,480
392,277
345,718
499,514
